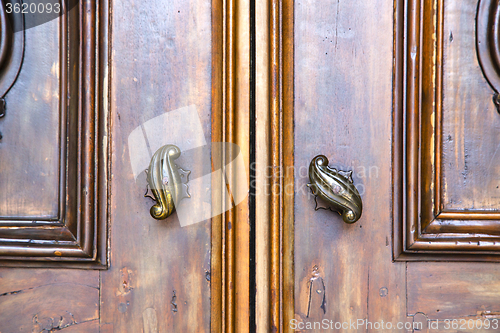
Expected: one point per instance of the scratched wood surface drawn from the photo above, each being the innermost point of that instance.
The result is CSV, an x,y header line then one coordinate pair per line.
x,y
159,278
343,109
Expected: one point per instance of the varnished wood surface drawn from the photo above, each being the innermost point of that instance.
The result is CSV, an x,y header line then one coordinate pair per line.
x,y
327,88
262,143
288,243
41,299
275,160
217,285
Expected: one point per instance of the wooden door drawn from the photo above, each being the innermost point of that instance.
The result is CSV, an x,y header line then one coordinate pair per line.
x,y
101,87
404,94
405,97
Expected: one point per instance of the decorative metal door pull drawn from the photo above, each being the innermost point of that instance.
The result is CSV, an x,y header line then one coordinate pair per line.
x,y
336,188
167,182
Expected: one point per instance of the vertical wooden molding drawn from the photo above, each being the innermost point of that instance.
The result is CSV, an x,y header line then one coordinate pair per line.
x,y
274,151
274,165
398,107
262,170
423,228
229,136
281,158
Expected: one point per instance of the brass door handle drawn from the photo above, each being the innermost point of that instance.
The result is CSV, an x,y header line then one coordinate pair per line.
x,y
336,188
167,182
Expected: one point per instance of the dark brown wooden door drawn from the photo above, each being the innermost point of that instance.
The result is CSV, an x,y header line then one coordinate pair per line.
x,y
404,94
403,101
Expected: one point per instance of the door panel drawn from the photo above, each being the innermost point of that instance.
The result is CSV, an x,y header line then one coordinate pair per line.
x,y
343,102
443,191
450,290
33,113
159,273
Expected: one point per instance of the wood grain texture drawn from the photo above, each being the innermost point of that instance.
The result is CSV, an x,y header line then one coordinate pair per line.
x,y
451,130
275,160
274,166
15,279
160,62
451,96
280,180
87,327
471,137
343,109
237,130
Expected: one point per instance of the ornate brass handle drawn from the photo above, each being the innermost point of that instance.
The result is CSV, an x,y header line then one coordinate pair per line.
x,y
336,188
167,182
